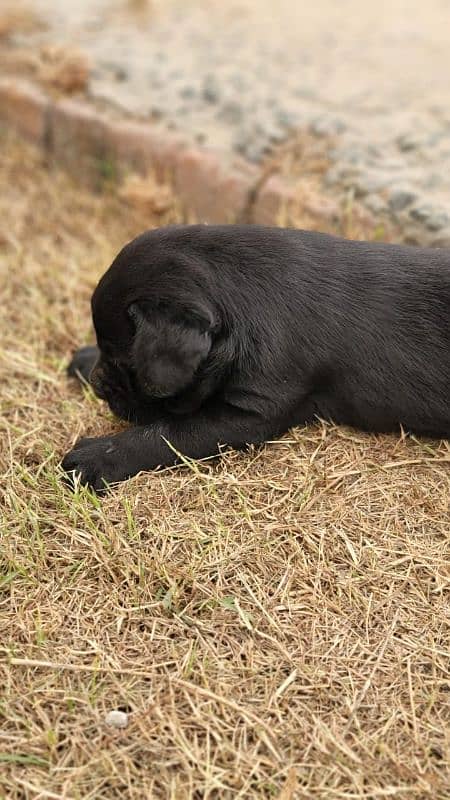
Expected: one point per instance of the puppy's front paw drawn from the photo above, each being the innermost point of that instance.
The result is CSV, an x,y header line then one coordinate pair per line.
x,y
95,462
82,363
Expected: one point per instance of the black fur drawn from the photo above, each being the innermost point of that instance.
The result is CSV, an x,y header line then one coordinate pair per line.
x,y
229,335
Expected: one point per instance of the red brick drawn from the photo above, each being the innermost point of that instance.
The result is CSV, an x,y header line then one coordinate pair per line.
x,y
25,108
77,133
323,209
274,202
144,147
211,190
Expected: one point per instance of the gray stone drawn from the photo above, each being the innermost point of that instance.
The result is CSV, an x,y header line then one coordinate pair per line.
x,y
436,137
287,119
400,199
238,82
211,89
254,151
327,125
420,213
117,719
437,221
408,141
442,239
187,92
231,112
241,139
352,154
375,153
430,216
391,164
121,74
304,93
271,132
432,181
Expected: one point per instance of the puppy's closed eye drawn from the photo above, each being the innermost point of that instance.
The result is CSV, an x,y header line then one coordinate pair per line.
x,y
167,350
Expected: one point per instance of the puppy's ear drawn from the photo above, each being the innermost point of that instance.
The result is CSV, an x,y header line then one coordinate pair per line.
x,y
169,346
196,315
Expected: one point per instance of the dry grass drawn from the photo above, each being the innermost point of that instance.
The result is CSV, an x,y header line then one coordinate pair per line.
x,y
276,623
17,17
58,67
64,68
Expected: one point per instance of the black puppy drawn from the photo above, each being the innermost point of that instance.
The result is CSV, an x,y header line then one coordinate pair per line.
x,y
211,335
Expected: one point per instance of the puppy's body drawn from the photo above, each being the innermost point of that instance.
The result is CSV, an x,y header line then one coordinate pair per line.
x,y
282,326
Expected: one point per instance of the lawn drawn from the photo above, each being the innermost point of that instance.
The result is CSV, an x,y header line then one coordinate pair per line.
x,y
275,624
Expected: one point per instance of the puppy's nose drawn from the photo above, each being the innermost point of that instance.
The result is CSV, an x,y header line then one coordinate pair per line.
x,y
96,381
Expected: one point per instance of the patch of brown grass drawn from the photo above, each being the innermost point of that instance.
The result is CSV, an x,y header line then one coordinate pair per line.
x,y
64,68
147,195
276,624
302,155
59,67
17,18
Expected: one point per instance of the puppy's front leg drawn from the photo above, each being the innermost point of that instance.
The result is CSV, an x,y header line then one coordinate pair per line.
x,y
110,459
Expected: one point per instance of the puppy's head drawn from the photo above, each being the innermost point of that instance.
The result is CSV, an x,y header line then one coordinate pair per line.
x,y
154,329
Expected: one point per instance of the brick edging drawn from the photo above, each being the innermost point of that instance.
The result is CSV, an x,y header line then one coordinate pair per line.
x,y
210,186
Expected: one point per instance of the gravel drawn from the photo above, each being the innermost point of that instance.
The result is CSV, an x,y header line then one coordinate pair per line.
x,y
116,719
242,77
401,199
